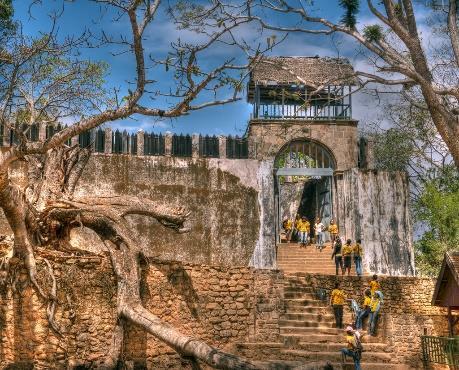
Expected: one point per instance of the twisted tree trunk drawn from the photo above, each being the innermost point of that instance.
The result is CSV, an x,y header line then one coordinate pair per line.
x,y
43,213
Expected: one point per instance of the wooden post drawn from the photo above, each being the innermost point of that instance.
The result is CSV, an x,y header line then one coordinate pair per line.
x,y
140,142
222,146
108,140
42,131
168,143
195,145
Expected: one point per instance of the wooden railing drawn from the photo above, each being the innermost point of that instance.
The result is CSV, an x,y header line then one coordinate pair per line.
x,y
441,350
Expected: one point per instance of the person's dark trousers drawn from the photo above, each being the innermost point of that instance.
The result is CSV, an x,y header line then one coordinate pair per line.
x,y
338,311
359,319
338,263
354,356
358,265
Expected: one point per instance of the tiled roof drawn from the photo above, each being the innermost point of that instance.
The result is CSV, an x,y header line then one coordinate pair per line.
x,y
314,71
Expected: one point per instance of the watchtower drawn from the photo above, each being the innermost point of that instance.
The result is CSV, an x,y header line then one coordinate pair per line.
x,y
307,100
302,120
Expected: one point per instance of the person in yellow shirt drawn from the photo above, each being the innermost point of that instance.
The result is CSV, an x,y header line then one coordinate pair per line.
x,y
333,230
295,234
347,256
303,231
358,255
375,307
287,225
337,298
374,285
354,347
365,310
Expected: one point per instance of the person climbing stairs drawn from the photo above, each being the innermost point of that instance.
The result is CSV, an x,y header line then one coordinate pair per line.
x,y
308,335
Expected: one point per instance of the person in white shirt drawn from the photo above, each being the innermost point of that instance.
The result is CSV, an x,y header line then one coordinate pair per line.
x,y
319,229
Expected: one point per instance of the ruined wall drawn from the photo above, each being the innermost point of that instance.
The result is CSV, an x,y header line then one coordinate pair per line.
x,y
374,206
221,194
221,305
267,137
224,306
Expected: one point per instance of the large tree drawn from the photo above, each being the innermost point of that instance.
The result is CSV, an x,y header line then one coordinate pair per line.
x,y
426,70
43,81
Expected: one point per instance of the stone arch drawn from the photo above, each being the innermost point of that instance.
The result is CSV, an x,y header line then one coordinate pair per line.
x,y
304,170
305,153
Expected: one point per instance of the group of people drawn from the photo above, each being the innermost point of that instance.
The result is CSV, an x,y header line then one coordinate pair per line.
x,y
371,306
344,254
300,230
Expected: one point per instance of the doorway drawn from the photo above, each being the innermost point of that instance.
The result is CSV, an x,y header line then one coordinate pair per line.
x,y
303,183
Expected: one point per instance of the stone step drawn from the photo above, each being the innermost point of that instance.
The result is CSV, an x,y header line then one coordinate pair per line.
x,y
308,309
334,356
325,330
295,287
329,323
315,336
308,316
324,347
269,347
303,302
299,365
299,294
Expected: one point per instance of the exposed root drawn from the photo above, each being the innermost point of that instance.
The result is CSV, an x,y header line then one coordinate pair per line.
x,y
52,299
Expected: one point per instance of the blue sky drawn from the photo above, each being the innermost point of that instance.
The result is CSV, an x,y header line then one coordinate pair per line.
x,y
228,119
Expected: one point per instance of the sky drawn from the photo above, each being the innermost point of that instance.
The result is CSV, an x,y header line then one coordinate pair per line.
x,y
230,119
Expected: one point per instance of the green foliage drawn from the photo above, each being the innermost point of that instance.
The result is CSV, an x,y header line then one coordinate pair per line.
x,y
189,15
438,209
373,33
351,8
393,150
6,15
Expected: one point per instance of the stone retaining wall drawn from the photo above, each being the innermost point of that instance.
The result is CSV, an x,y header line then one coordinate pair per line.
x,y
406,313
221,305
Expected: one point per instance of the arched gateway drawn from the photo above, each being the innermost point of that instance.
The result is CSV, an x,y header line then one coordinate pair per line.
x,y
303,182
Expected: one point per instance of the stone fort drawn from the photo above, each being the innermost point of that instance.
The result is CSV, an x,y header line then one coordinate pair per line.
x,y
231,280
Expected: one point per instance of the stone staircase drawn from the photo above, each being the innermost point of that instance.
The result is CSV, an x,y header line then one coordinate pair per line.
x,y
308,336
291,259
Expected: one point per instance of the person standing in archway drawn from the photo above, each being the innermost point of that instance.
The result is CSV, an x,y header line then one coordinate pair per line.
x,y
319,229
303,230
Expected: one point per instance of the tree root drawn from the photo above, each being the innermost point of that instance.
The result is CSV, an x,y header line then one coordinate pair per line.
x,y
52,300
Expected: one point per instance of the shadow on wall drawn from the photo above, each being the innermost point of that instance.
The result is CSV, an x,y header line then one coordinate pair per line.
x,y
179,279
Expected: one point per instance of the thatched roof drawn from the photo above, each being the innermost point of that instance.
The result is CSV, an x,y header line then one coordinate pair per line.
x,y
310,71
448,281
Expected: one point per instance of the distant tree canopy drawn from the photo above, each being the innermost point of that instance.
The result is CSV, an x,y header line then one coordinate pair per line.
x,y
437,207
6,14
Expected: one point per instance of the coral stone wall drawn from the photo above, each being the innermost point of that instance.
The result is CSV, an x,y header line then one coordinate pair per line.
x,y
221,305
340,137
406,313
